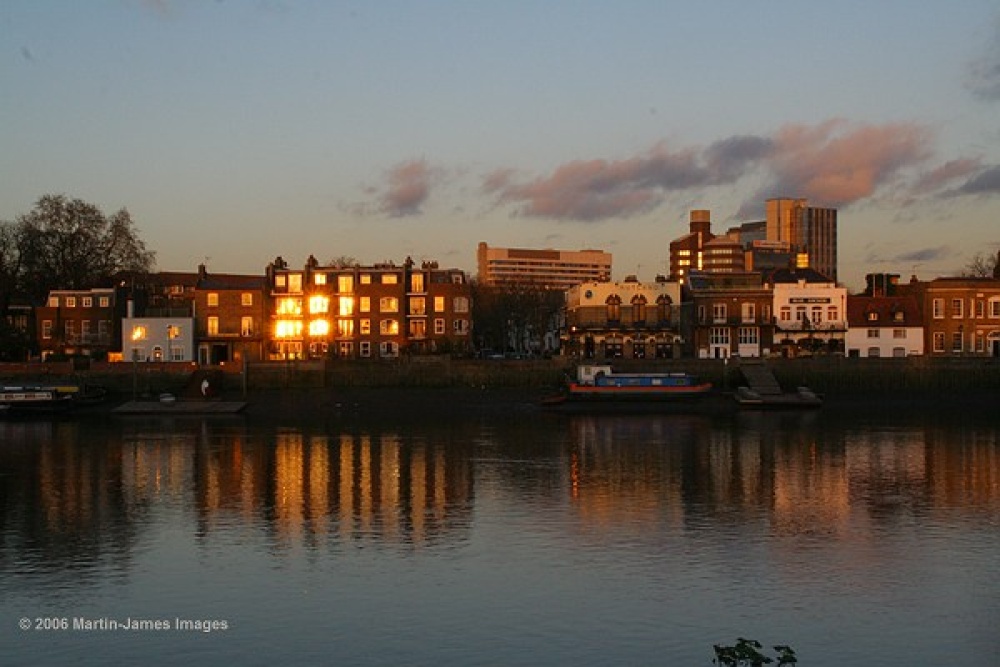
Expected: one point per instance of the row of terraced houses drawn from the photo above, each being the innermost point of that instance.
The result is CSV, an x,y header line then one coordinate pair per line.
x,y
759,289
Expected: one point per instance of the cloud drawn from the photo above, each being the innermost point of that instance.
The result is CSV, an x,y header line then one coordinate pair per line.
x,y
984,73
941,176
834,163
408,186
924,255
985,183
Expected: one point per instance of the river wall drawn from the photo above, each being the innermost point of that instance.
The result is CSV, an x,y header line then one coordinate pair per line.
x,y
833,376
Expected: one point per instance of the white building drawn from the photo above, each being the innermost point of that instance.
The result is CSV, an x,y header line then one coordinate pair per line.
x,y
158,339
884,326
810,312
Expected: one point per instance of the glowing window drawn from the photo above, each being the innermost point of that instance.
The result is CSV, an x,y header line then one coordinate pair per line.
x,y
346,306
289,306
365,305
138,332
319,328
287,329
388,304
319,278
390,279
213,299
389,327
319,304
345,284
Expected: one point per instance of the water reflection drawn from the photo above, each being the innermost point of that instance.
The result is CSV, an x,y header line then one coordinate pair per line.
x,y
82,493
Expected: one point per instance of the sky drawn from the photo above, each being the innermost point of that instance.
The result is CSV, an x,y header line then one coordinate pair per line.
x,y
237,131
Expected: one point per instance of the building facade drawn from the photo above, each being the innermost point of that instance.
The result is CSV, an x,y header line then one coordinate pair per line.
x,y
630,319
810,312
811,233
230,313
731,315
884,326
79,323
687,253
547,269
158,339
961,316
364,312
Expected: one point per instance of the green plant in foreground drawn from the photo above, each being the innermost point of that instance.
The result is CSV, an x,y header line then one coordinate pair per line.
x,y
747,653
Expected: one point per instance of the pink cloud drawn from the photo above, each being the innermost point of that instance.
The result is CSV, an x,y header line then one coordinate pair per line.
x,y
409,185
835,163
946,173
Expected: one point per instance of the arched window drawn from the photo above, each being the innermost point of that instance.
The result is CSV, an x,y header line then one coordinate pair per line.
x,y
664,305
614,307
638,309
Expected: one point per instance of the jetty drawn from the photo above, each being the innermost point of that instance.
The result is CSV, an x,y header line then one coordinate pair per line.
x,y
180,407
763,390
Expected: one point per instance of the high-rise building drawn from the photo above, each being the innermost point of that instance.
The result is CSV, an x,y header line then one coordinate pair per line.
x,y
687,252
549,269
810,231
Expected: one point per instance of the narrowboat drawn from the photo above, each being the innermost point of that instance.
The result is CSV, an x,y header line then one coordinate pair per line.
x,y
598,382
46,399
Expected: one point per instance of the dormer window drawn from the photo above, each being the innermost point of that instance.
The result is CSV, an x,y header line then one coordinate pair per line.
x,y
897,316
872,316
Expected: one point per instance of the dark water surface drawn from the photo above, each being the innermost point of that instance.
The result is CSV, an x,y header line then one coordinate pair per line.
x,y
859,539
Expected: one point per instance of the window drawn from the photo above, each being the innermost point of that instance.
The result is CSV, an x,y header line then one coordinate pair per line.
x,y
289,306
956,341
720,336
899,334
800,314
280,280
213,299
873,316
417,282
749,312
439,327
319,278
956,308
70,330
288,329
938,341
246,326
46,329
103,330
639,309
138,332
346,306
831,314
899,352
937,310
388,349
663,304
345,284
88,302
319,328
345,349
461,304
53,302
157,353
749,335
718,312
390,279
388,327
980,309
702,314
418,328
817,314
177,353
365,304
388,304
366,279
365,327
980,341
418,305
319,304
994,307
365,347
246,299
460,327
294,282
213,326
439,304
104,302
71,302
345,328
898,316
785,314
874,352
873,333
613,306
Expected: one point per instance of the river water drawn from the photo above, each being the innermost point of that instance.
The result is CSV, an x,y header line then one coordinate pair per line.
x,y
858,538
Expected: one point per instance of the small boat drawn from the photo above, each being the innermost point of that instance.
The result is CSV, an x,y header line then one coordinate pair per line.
x,y
601,383
46,399
802,397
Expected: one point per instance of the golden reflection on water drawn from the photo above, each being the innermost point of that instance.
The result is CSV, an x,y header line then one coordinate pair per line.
x,y
416,488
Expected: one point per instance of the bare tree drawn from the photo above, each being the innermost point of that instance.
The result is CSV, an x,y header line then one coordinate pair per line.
x,y
983,266
71,244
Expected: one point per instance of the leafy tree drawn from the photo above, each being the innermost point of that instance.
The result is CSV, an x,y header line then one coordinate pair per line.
x,y
509,317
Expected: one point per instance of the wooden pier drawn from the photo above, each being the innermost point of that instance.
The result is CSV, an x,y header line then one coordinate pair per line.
x,y
180,408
